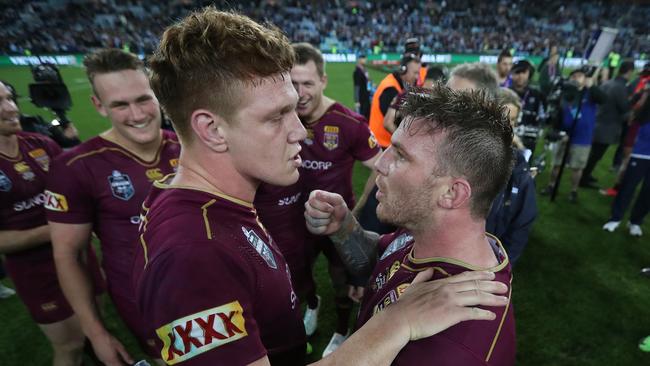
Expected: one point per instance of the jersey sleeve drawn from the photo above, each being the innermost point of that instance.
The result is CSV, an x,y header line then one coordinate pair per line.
x,y
69,199
198,300
364,145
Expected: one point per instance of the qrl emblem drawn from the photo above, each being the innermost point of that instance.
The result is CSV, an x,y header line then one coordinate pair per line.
x,y
121,186
331,137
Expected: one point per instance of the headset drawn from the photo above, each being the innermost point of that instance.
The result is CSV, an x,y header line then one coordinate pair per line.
x,y
406,58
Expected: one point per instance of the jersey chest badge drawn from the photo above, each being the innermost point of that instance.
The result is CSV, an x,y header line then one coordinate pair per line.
x,y
41,157
5,182
25,171
121,185
260,246
331,137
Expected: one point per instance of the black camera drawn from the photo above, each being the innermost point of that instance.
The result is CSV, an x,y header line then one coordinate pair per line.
x,y
49,91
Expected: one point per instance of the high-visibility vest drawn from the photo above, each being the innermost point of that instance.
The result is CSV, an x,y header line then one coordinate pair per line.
x,y
376,117
423,76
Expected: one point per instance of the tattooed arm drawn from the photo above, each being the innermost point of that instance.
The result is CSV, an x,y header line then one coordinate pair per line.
x,y
327,214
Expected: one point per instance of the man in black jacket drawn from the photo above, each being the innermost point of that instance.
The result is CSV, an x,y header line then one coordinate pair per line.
x,y
361,92
610,118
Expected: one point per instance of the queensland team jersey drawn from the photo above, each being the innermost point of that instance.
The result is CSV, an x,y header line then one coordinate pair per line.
x,y
281,210
102,183
212,283
333,143
467,343
22,182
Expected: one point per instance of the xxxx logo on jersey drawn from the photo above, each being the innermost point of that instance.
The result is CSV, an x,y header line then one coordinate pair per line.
x,y
201,332
55,202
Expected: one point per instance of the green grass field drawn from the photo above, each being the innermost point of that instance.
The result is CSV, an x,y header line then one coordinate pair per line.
x,y
578,295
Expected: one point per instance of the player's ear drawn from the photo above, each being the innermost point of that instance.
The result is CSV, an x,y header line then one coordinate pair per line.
x,y
208,127
323,79
457,193
99,107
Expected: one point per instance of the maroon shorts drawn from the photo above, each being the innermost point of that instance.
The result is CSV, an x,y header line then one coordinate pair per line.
x,y
34,276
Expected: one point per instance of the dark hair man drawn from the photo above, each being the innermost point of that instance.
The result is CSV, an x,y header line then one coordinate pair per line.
x,y
99,187
532,102
504,65
447,161
25,236
361,81
208,277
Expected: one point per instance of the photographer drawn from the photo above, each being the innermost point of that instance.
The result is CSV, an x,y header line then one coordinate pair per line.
x,y
609,120
533,102
578,115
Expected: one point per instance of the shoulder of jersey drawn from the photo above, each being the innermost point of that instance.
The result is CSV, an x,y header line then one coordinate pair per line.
x,y
340,110
24,135
170,136
82,150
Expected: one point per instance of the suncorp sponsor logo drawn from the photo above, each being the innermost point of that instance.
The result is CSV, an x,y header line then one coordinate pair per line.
x,y
289,200
37,200
316,165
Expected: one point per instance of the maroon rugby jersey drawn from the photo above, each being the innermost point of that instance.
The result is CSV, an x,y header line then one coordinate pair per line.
x,y
333,143
22,182
102,183
467,343
211,282
281,210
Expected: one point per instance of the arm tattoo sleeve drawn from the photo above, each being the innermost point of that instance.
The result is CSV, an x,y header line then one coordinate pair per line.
x,y
357,247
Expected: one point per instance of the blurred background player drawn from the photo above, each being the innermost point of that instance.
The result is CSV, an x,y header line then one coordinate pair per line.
x,y
579,137
103,183
336,138
532,103
25,236
504,65
361,81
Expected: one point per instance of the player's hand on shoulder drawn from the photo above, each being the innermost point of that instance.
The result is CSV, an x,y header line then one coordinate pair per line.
x,y
429,307
325,212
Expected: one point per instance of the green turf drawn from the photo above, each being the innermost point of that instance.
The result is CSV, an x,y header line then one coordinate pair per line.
x,y
578,295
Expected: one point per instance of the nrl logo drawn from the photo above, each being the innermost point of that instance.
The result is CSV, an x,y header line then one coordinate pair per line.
x,y
260,246
121,185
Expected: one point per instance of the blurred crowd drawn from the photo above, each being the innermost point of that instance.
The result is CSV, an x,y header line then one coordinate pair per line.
x,y
461,26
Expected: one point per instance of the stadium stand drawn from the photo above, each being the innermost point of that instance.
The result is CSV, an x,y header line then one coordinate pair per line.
x,y
459,26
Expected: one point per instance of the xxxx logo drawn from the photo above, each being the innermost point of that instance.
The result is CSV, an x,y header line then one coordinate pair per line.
x,y
198,333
